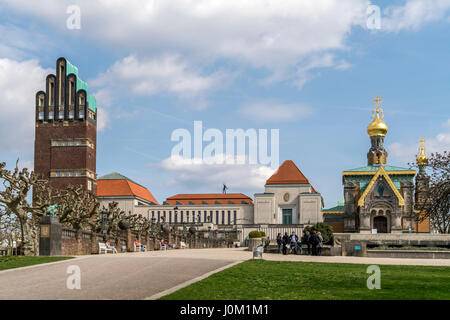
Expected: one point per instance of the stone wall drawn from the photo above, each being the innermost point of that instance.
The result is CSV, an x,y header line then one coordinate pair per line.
x,y
84,242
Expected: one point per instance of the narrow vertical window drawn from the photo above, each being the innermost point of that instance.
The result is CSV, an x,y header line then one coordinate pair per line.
x,y
229,217
223,217
61,89
81,103
234,216
41,107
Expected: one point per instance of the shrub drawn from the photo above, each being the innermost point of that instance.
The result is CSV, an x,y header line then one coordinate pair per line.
x,y
325,230
256,234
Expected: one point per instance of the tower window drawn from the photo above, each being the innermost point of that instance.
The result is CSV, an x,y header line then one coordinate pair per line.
x,y
51,93
41,113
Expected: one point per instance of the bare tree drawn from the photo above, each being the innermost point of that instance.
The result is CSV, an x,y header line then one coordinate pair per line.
x,y
9,230
140,224
14,197
76,207
436,200
114,216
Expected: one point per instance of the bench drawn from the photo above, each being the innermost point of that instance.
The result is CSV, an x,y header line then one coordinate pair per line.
x,y
183,245
102,247
162,247
140,247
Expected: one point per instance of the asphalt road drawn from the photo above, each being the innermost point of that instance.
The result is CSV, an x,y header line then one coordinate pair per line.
x,y
123,276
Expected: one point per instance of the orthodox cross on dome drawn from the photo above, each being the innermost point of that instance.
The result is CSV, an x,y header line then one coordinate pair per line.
x,y
378,108
422,144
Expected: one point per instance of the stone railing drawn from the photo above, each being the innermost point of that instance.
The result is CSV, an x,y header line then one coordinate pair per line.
x,y
80,242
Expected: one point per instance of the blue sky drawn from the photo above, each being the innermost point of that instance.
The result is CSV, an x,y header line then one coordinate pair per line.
x,y
307,68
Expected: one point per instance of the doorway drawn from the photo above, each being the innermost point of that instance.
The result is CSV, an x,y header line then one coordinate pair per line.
x,y
380,223
287,216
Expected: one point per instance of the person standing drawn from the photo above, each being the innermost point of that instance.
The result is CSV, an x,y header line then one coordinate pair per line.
x,y
279,242
308,241
320,244
294,240
285,242
314,242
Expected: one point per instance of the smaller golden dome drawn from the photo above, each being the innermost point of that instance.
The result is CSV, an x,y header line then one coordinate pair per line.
x,y
377,127
422,159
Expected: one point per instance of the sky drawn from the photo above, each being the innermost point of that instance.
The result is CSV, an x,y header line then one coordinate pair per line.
x,y
307,68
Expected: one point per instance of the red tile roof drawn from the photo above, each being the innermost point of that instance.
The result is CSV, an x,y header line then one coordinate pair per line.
x,y
288,173
111,188
209,198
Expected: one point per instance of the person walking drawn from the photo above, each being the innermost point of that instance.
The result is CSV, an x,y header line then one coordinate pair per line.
x,y
279,242
320,244
285,242
308,241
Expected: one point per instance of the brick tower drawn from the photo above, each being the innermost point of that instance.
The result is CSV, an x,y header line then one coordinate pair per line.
x,y
66,130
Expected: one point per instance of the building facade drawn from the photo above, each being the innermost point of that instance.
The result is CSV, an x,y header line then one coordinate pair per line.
x,y
288,204
66,130
379,198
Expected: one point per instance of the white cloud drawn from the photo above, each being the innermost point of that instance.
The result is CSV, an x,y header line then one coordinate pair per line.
x,y
271,34
165,74
105,100
198,174
146,77
407,153
273,111
414,14
19,82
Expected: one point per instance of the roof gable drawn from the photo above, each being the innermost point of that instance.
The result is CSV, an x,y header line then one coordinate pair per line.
x,y
287,173
383,173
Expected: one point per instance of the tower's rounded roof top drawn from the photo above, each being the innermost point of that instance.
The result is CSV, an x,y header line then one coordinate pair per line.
x,y
377,127
422,159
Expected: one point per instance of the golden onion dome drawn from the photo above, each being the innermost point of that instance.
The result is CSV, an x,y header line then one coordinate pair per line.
x,y
422,159
377,127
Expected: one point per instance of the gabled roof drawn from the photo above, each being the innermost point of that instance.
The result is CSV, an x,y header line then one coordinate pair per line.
x,y
209,198
383,173
117,185
287,173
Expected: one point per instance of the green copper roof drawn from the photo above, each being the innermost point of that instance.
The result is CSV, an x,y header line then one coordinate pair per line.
x,y
337,208
81,85
375,168
113,176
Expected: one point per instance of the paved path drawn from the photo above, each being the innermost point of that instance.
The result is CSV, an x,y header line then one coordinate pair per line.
x,y
146,274
120,276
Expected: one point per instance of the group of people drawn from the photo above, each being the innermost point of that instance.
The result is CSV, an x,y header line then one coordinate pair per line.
x,y
313,241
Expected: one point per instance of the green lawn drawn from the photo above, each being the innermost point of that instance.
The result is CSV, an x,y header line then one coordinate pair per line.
x,y
259,279
9,262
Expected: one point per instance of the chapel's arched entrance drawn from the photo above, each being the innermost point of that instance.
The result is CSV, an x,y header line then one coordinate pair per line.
x,y
381,224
